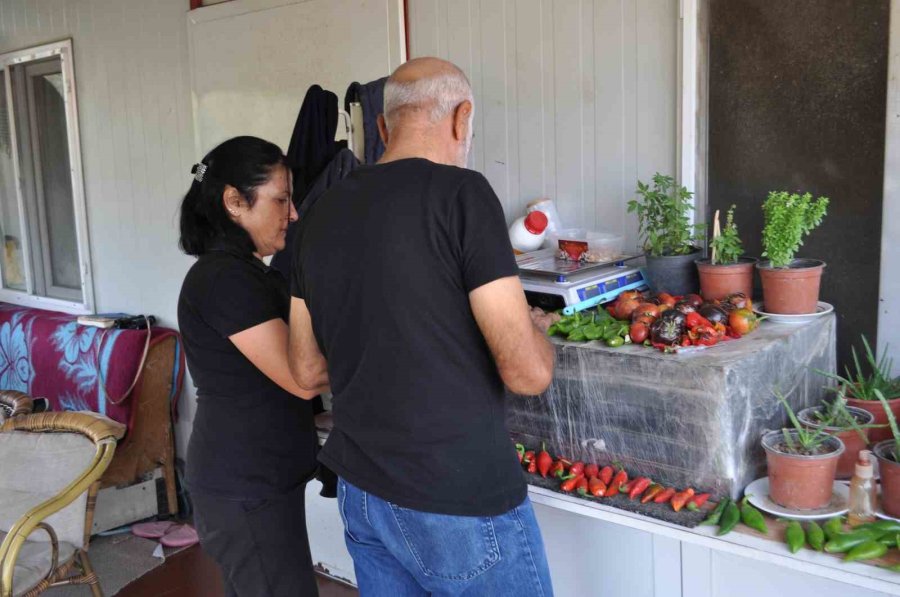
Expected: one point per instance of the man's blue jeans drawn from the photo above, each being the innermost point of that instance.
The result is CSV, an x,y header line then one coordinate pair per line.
x,y
398,552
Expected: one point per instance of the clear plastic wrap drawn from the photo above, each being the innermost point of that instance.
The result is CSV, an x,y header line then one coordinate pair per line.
x,y
688,419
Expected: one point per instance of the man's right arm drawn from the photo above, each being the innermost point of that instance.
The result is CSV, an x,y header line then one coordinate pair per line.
x,y
522,352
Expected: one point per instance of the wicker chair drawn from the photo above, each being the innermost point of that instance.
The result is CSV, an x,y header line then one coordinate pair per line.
x,y
50,467
14,404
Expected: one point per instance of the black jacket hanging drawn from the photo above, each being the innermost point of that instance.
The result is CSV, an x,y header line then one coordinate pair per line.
x,y
312,144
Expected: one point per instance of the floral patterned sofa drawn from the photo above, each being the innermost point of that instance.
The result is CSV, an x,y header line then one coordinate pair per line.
x,y
47,354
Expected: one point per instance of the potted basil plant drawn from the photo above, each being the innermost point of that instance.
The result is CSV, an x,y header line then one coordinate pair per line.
x,y
727,271
801,463
790,286
668,238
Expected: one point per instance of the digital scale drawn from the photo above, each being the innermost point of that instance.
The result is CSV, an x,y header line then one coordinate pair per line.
x,y
553,284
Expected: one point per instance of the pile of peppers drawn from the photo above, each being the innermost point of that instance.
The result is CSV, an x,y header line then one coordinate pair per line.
x,y
607,481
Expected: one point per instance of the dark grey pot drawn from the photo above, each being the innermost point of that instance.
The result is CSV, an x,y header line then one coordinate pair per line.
x,y
676,274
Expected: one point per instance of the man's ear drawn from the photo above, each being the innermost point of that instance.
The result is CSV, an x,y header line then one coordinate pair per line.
x,y
382,129
461,119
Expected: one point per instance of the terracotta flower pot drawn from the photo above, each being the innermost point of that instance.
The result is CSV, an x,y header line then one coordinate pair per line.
x,y
792,290
675,274
889,469
800,482
874,407
718,281
853,443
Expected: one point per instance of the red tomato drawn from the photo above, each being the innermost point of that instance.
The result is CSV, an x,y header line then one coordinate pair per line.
x,y
630,294
645,319
625,307
645,309
638,332
694,299
743,321
666,299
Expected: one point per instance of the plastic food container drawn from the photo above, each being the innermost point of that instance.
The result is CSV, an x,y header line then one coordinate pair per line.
x,y
577,244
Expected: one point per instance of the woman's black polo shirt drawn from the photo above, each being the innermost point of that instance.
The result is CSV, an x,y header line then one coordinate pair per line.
x,y
250,438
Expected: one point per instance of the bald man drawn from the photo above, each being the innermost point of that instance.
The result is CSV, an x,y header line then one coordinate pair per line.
x,y
406,300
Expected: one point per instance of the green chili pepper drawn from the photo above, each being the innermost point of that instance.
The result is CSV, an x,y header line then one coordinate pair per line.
x,y
592,331
794,536
866,551
577,335
815,536
887,526
730,517
843,542
615,341
893,568
716,514
752,517
552,329
833,527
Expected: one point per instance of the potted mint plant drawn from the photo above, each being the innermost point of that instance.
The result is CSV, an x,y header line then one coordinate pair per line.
x,y
726,271
668,238
790,285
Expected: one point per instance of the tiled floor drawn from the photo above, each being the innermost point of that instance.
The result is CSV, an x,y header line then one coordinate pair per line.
x,y
192,573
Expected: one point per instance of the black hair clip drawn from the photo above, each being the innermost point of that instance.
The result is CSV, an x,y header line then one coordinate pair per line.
x,y
198,171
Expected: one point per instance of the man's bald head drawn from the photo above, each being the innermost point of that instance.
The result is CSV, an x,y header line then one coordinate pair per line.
x,y
428,88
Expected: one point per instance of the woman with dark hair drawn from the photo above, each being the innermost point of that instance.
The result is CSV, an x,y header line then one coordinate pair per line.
x,y
253,445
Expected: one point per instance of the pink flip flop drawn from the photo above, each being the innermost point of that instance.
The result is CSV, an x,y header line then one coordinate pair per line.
x,y
182,535
152,530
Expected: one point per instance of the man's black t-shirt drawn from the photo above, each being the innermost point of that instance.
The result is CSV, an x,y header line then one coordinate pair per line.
x,y
250,439
385,264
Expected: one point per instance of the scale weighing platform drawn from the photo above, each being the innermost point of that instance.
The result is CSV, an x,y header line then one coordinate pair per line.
x,y
553,284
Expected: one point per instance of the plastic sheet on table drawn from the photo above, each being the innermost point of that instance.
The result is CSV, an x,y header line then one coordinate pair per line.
x,y
688,419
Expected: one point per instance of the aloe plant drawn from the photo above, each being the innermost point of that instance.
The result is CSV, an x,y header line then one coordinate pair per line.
x,y
862,384
892,421
808,440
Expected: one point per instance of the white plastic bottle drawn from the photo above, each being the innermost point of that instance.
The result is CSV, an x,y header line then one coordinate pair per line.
x,y
862,504
527,233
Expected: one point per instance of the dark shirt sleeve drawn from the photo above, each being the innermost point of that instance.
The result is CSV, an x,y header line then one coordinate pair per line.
x,y
239,300
485,251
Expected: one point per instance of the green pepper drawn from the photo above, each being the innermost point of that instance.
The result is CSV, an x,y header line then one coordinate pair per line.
x,y
716,514
833,527
552,329
815,536
615,341
577,335
794,536
730,517
888,526
843,542
592,331
752,517
893,568
868,550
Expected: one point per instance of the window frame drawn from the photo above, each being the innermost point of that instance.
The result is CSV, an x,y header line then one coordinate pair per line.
x,y
63,50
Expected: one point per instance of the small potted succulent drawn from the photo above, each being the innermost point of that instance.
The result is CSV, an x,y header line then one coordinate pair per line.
x,y
850,424
888,454
860,387
790,286
727,271
669,239
801,463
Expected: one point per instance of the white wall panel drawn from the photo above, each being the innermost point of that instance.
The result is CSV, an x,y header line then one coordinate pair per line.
x,y
575,99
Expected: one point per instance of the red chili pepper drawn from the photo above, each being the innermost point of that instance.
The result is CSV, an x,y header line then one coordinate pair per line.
x,y
577,468
581,487
532,467
664,496
651,493
528,457
694,319
606,475
640,484
620,479
569,483
591,471
681,498
626,487
544,462
597,487
697,501
686,340
558,469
